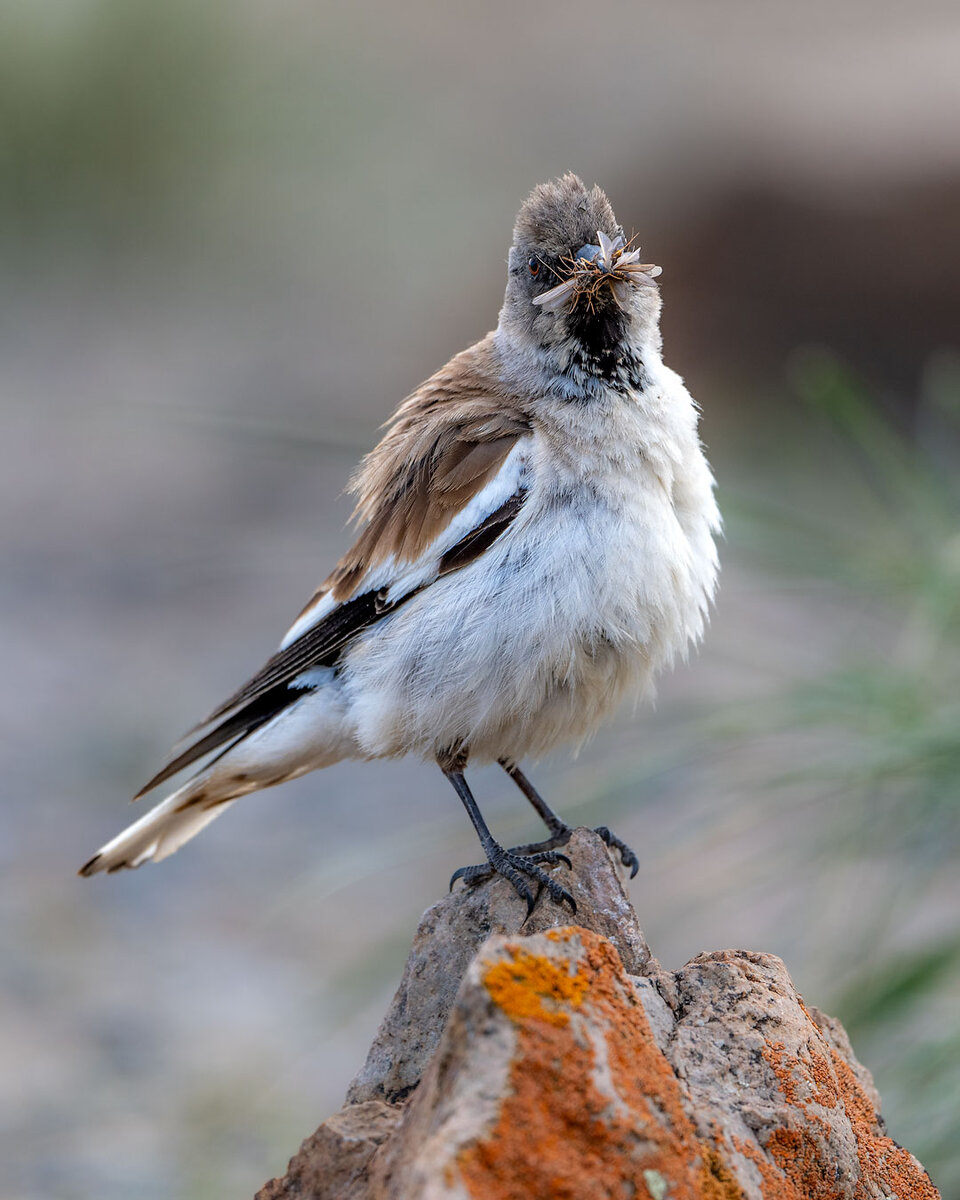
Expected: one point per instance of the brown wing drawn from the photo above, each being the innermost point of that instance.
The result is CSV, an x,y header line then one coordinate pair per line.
x,y
444,444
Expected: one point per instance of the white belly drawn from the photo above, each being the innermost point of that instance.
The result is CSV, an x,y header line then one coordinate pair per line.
x,y
596,587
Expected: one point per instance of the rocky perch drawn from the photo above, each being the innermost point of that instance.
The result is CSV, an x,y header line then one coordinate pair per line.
x,y
540,1060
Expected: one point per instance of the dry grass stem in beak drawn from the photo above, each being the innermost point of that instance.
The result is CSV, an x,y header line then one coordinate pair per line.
x,y
608,264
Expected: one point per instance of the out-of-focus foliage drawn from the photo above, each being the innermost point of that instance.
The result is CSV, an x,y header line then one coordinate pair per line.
x,y
893,539
105,108
886,714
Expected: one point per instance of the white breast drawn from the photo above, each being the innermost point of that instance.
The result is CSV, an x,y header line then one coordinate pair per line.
x,y
601,581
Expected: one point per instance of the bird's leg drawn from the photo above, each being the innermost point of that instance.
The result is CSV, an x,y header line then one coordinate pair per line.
x,y
516,868
559,830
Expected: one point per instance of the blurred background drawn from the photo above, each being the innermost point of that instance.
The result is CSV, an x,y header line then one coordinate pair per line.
x,y
232,237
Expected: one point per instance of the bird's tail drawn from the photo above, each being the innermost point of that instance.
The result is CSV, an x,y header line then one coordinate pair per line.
x,y
164,828
308,733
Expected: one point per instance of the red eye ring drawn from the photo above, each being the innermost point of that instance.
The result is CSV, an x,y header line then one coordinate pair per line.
x,y
533,265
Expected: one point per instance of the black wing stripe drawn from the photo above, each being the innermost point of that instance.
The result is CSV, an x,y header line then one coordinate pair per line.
x,y
481,538
317,647
269,692
244,722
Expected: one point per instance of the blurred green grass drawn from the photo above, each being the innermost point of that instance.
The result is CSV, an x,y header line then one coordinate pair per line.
x,y
897,706
898,715
105,109
886,714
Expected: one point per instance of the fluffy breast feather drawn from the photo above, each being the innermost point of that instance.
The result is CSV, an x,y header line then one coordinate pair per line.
x,y
604,577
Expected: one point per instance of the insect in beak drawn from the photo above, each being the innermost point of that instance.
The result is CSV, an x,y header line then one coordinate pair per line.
x,y
594,266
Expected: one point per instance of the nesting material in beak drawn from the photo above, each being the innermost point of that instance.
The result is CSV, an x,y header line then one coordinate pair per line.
x,y
593,268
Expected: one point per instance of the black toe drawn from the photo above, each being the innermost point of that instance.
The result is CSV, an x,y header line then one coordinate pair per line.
x,y
627,856
475,874
560,838
517,869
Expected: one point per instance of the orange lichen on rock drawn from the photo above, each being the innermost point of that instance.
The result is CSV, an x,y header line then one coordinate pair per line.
x,y
799,1154
533,986
804,1080
798,1151
717,1181
586,1114
773,1183
823,1080
882,1161
812,1083
774,1054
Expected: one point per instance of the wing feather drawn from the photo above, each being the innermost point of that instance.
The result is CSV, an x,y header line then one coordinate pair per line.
x,y
275,685
445,445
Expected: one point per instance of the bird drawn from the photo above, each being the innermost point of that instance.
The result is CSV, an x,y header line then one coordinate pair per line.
x,y
537,542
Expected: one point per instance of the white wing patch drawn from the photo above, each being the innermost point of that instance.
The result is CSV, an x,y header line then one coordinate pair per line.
x,y
400,579
316,612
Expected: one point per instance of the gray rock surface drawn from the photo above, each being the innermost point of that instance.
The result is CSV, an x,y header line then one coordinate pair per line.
x,y
451,933
552,1061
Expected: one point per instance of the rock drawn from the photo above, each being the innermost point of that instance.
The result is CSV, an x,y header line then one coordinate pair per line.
x,y
333,1161
559,1062
451,933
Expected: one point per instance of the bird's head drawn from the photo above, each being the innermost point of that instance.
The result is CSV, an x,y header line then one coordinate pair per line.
x,y
576,290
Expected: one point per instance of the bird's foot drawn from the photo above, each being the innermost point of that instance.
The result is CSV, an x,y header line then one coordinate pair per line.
x,y
517,869
561,836
627,856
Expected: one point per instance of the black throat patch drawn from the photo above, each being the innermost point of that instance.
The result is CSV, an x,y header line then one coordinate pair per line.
x,y
600,348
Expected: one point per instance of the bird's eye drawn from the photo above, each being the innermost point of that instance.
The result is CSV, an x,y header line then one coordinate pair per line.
x,y
533,265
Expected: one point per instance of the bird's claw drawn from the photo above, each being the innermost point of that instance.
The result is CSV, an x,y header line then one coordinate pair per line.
x,y
514,867
530,849
627,856
561,836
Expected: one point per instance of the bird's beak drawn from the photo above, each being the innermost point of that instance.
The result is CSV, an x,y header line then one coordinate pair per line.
x,y
606,264
602,256
589,253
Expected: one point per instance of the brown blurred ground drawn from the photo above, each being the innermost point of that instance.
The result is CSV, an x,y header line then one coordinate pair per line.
x,y
233,238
